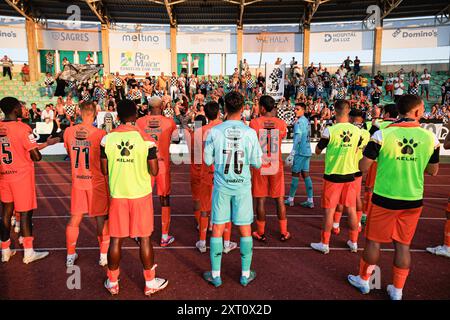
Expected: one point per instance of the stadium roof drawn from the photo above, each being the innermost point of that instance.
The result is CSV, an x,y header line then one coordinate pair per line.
x,y
223,11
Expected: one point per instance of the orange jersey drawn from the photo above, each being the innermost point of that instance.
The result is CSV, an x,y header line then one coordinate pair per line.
x,y
160,128
270,131
83,146
16,142
208,171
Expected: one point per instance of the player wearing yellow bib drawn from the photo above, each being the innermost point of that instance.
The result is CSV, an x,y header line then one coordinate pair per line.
x,y
403,151
341,141
390,114
356,117
128,157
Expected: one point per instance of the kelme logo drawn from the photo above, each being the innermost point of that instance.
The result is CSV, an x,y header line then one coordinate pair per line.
x,y
346,135
125,148
407,146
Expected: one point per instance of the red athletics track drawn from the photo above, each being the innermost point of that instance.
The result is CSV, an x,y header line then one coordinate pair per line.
x,y
285,270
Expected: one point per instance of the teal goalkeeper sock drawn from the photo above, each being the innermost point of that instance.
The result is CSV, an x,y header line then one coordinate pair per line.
x,y
294,186
246,252
216,248
309,187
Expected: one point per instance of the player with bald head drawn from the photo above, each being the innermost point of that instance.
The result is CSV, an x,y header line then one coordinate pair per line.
x,y
161,130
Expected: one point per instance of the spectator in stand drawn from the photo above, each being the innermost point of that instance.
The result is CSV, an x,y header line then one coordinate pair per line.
x,y
379,79
414,87
356,65
119,89
347,63
425,83
25,74
184,66
162,82
173,86
49,62
7,64
390,85
48,83
65,62
195,65
445,91
60,90
35,113
89,59
48,114
399,89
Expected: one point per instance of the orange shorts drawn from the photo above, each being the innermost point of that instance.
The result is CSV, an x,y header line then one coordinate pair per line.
x,y
358,186
131,217
162,181
196,180
206,190
21,192
338,193
371,175
267,185
384,225
94,201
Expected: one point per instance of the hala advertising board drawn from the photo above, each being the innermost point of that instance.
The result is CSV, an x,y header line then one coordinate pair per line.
x,y
139,40
139,62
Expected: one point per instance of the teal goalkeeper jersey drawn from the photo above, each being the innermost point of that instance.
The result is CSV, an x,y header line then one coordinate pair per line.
x,y
232,147
302,132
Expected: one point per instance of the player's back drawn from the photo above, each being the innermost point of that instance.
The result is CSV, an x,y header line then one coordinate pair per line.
x,y
83,145
232,147
160,128
16,142
270,131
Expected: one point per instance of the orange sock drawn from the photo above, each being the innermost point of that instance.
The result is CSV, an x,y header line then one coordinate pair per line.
x,y
6,244
227,232
203,227
447,234
260,226
113,275
400,276
283,226
149,275
325,237
353,235
365,269
359,216
165,218
104,239
28,242
197,216
337,217
71,238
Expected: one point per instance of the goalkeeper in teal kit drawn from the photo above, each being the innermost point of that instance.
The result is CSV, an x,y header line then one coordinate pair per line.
x,y
300,157
232,147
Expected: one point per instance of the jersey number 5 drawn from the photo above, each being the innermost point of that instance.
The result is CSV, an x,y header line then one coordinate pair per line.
x,y
7,155
86,156
238,164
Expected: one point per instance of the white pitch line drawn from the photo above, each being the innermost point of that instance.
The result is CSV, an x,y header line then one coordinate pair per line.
x,y
192,248
268,215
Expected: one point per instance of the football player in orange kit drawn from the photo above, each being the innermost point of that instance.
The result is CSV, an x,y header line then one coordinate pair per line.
x,y
89,186
268,181
161,128
17,181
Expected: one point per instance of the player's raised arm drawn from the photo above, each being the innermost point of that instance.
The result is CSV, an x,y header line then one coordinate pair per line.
x,y
323,142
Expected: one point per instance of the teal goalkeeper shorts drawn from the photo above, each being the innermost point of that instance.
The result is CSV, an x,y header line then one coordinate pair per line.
x,y
301,163
237,209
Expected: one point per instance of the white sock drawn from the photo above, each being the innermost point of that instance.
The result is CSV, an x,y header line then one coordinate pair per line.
x,y
226,243
164,236
310,200
202,243
103,255
112,284
150,283
28,252
291,199
246,273
335,225
215,274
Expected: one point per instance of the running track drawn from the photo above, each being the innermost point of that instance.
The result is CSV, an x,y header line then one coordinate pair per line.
x,y
285,270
